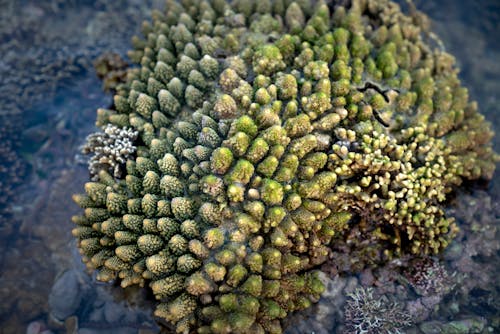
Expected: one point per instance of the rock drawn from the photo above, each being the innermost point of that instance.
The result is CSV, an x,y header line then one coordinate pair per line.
x,y
432,302
65,296
334,287
454,252
325,318
464,326
71,325
431,327
121,330
113,312
97,315
351,285
37,327
367,277
412,330
131,316
417,310
34,327
146,331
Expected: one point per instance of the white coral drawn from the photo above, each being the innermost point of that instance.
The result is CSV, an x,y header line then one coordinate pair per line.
x,y
364,314
111,148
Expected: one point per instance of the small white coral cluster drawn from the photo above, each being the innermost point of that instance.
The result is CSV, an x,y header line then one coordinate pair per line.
x,y
111,148
365,313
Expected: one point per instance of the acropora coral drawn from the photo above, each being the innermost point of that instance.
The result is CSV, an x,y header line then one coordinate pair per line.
x,y
264,129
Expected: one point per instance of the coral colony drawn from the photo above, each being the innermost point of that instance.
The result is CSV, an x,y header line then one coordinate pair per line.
x,y
365,314
252,133
111,148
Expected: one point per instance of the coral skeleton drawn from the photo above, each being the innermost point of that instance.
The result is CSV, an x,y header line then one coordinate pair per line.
x,y
265,129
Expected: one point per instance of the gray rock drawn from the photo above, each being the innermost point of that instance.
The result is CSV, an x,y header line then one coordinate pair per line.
x,y
418,311
97,315
351,285
325,318
431,327
464,326
131,316
334,287
113,312
66,295
147,331
121,330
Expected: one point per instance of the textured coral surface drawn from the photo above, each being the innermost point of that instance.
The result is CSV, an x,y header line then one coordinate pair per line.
x,y
265,129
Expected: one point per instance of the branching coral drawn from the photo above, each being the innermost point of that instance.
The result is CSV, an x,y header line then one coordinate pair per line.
x,y
111,69
364,313
111,148
264,129
429,277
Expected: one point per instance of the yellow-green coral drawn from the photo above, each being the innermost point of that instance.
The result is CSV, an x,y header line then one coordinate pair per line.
x,y
266,128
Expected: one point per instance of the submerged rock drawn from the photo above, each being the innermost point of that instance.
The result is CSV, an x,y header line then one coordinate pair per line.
x,y
66,295
464,326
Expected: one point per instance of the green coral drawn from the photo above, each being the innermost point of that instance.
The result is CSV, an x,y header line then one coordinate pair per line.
x,y
259,144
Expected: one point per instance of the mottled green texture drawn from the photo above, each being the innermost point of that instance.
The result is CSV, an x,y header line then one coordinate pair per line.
x,y
266,129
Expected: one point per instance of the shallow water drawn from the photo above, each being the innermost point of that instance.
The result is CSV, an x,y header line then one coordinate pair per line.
x,y
47,106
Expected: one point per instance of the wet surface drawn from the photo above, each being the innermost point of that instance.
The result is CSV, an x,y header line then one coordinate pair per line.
x,y
48,99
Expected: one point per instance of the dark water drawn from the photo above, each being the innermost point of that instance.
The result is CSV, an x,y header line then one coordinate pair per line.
x,y
48,97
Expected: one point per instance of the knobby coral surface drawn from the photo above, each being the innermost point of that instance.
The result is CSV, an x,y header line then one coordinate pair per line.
x,y
264,129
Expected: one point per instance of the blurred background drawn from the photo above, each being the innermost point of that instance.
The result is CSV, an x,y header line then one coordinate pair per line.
x,y
49,91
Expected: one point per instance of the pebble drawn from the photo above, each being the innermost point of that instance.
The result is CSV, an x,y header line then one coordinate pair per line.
x,y
37,327
34,327
71,325
65,296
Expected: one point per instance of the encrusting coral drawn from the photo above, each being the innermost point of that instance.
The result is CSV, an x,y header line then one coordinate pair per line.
x,y
264,129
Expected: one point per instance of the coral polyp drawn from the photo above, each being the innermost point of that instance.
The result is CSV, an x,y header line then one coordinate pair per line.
x,y
266,128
